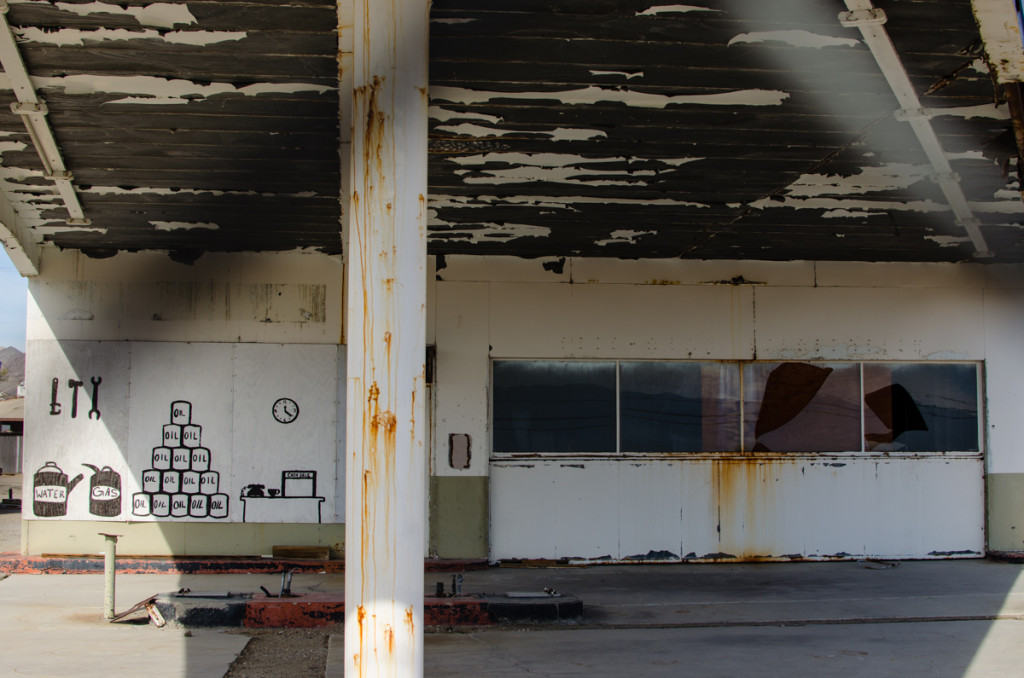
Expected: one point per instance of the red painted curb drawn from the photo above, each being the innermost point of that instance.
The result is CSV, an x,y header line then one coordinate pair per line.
x,y
314,610
11,563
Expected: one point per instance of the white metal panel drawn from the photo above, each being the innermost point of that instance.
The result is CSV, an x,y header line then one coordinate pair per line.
x,y
68,427
689,272
280,297
875,324
650,500
899,274
699,507
953,504
833,494
793,508
271,383
621,321
757,515
1004,387
522,505
462,375
341,389
200,375
470,268
585,517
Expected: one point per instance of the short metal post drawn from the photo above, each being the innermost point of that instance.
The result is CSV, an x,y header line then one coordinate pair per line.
x,y
109,554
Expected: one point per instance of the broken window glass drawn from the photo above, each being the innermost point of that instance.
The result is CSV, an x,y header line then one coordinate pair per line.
x,y
554,406
801,407
921,407
679,407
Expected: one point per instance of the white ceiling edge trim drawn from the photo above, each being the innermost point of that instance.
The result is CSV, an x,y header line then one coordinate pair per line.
x,y
1001,34
870,21
22,249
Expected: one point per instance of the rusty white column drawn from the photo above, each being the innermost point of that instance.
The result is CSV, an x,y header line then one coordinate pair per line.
x,y
386,254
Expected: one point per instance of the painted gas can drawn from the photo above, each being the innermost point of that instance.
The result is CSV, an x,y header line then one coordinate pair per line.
x,y
104,492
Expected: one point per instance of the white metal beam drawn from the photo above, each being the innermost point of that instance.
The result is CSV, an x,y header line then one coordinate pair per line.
x,y
33,113
23,250
870,20
386,462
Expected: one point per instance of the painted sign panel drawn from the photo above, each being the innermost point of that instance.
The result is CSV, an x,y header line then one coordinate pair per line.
x,y
157,431
76,424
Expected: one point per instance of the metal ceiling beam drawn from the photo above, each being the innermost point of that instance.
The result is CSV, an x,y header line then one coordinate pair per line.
x,y
33,113
23,250
870,20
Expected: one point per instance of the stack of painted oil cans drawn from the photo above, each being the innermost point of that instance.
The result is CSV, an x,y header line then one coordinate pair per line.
x,y
180,484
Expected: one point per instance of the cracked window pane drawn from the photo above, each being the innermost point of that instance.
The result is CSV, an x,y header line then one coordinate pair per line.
x,y
801,407
920,407
679,407
554,406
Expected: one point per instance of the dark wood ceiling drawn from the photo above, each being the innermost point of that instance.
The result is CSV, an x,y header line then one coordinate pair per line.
x,y
724,129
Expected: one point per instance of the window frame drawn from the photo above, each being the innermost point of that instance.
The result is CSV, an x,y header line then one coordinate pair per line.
x,y
864,451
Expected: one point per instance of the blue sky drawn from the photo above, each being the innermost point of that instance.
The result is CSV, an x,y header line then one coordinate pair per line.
x,y
13,295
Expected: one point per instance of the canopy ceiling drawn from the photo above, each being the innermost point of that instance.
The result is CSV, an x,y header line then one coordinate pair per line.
x,y
722,130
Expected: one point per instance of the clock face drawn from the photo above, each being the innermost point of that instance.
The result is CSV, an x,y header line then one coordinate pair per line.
x,y
286,410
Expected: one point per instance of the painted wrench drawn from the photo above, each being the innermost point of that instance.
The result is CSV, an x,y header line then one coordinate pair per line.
x,y
95,396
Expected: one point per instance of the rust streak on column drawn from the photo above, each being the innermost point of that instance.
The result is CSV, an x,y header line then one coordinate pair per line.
x,y
386,291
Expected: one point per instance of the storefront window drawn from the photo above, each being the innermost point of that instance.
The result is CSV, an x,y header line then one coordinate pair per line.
x,y
650,407
554,406
801,407
679,407
920,407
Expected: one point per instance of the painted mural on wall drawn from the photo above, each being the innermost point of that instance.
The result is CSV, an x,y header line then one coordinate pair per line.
x,y
296,495
210,432
181,483
51,491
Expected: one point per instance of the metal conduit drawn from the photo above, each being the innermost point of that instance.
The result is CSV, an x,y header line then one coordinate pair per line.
x,y
869,20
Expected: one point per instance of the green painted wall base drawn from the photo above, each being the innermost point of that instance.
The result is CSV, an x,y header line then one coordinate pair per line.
x,y
73,537
458,516
1005,511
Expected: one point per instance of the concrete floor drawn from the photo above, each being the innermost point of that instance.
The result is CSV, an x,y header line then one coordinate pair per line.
x,y
956,619
941,619
944,619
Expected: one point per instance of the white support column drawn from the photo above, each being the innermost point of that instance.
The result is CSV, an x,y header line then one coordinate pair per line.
x,y
386,252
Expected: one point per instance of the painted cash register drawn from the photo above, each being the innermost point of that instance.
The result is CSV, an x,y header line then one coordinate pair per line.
x,y
296,498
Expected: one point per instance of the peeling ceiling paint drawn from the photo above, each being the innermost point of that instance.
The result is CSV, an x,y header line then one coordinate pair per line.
x,y
443,115
478,233
72,36
557,134
990,111
152,89
182,226
157,15
623,237
595,95
624,74
561,168
869,179
794,38
674,9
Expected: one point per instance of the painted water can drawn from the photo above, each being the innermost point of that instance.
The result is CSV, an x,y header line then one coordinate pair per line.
x,y
50,490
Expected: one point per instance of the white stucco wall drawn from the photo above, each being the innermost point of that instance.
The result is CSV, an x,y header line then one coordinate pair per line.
x,y
229,337
497,308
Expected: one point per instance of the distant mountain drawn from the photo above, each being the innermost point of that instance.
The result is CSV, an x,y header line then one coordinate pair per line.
x,y
12,371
